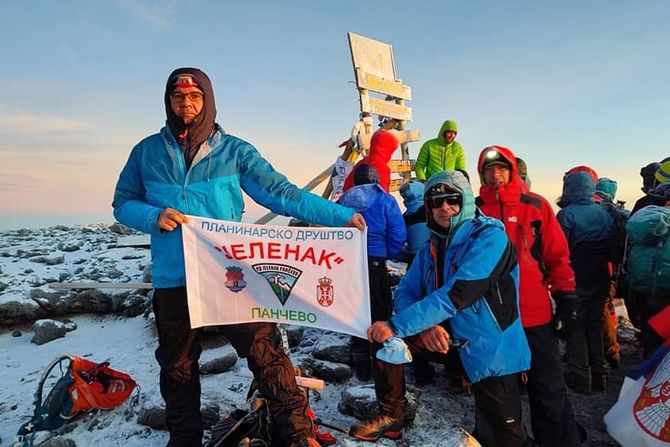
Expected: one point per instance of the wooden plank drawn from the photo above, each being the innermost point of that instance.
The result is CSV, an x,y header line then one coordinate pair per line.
x,y
386,108
135,240
403,137
372,56
100,285
389,87
400,166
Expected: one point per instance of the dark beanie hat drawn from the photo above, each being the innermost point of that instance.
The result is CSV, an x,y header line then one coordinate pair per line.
x,y
203,125
365,174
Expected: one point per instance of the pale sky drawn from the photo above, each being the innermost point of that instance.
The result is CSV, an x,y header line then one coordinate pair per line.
x,y
560,83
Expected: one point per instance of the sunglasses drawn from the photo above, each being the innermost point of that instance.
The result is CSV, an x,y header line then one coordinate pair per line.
x,y
438,201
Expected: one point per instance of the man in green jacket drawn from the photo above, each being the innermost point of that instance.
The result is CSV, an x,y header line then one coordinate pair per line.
x,y
440,154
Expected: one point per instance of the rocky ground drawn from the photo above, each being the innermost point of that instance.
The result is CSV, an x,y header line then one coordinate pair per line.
x,y
38,323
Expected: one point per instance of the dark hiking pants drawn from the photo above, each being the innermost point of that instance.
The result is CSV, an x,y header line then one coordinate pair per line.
x,y
552,419
389,379
498,412
178,354
585,351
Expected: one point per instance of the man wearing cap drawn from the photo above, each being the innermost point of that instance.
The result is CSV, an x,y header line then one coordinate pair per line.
x,y
192,166
544,272
653,175
467,275
443,153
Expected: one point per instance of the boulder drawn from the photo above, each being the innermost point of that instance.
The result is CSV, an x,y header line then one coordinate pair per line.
x,y
328,371
360,402
294,334
45,331
16,312
333,347
120,229
219,364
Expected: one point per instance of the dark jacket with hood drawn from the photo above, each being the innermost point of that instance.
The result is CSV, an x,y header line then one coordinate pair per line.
x,y
530,223
588,228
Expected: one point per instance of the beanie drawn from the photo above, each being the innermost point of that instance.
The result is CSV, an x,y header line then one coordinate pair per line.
x,y
365,174
663,171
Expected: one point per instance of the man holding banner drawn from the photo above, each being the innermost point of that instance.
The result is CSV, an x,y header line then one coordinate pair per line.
x,y
193,167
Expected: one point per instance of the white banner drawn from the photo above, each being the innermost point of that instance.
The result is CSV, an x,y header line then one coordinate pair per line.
x,y
641,416
241,273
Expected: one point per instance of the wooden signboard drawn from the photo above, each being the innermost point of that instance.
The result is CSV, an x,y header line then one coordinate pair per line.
x,y
372,56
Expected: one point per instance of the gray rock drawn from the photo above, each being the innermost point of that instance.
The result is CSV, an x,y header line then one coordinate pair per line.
x,y
16,312
120,229
132,256
16,334
89,301
46,330
333,348
3,286
294,334
219,364
53,260
68,247
64,276
153,417
70,325
146,276
59,441
328,371
360,402
36,282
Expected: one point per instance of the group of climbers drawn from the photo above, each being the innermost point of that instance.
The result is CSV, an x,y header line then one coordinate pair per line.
x,y
569,267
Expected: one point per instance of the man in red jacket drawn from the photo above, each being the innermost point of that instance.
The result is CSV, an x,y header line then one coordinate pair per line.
x,y
544,272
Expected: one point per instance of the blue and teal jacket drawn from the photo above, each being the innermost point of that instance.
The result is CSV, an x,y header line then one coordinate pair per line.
x,y
155,177
472,278
588,229
415,216
386,229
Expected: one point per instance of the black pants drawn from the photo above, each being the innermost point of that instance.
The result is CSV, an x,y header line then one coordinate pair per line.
x,y
498,412
389,379
178,354
585,352
552,418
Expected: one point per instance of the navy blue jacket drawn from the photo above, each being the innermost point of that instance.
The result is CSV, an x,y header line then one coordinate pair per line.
x,y
588,229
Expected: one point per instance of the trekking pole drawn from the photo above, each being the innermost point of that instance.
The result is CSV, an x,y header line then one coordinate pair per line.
x,y
319,422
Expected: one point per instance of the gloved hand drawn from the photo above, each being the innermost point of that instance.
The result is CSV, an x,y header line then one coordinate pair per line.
x,y
566,308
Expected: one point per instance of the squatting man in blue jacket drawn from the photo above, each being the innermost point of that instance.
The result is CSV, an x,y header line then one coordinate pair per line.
x,y
192,166
467,274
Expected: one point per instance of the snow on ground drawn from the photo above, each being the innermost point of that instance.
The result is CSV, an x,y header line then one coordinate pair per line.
x,y
29,260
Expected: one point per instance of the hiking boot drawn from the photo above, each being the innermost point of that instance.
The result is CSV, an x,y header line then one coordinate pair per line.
x,y
374,429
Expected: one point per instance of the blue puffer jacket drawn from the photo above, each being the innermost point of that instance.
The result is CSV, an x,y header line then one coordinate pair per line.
x,y
415,216
155,178
478,290
386,229
588,229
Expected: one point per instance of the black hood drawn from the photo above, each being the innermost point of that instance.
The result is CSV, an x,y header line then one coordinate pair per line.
x,y
203,124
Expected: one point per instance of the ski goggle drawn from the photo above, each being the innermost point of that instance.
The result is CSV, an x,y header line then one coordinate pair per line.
x,y
437,201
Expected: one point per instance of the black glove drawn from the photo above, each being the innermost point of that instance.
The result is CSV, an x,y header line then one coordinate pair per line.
x,y
566,308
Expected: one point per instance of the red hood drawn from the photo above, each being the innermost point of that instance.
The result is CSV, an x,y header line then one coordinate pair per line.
x,y
382,145
514,188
